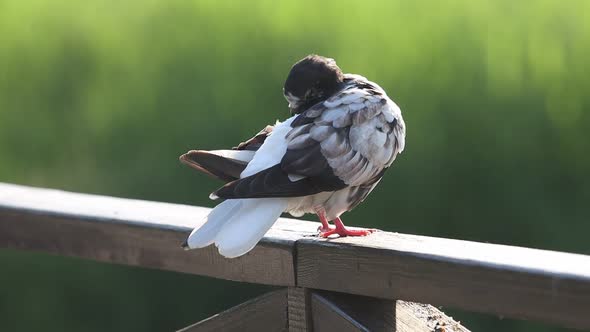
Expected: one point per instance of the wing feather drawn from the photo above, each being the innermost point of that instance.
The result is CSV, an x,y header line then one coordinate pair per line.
x,y
225,165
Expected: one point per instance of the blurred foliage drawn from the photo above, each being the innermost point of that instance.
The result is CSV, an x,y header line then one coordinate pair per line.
x,y
103,96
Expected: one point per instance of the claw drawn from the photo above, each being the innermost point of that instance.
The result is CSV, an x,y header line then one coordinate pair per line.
x,y
324,229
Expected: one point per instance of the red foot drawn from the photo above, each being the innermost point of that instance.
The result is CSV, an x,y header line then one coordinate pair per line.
x,y
326,231
342,232
325,226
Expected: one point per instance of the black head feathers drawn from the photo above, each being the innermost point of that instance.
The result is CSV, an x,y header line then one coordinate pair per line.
x,y
311,80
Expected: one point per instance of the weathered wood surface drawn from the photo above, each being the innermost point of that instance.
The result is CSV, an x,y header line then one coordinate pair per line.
x,y
417,317
267,312
509,281
362,313
503,280
299,309
133,232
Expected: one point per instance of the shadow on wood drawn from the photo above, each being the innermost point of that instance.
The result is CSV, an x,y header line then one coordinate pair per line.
x,y
267,312
303,310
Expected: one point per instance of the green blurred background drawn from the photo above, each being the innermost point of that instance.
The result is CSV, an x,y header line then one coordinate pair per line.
x,y
102,97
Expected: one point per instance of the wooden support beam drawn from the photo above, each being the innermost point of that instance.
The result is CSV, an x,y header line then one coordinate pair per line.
x,y
299,309
267,312
344,312
372,314
329,317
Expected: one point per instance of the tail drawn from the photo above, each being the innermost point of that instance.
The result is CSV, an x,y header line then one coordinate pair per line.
x,y
236,225
225,165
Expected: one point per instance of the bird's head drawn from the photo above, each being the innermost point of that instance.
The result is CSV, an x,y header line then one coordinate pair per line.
x,y
311,80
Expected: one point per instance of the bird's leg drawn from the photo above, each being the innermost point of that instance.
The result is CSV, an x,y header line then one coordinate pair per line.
x,y
343,231
325,226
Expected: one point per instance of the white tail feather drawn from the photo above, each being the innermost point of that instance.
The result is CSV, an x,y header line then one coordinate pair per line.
x,y
244,229
236,225
221,214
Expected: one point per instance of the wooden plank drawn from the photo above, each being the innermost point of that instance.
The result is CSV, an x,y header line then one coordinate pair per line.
x,y
376,315
298,309
267,312
508,281
133,232
327,317
383,315
417,317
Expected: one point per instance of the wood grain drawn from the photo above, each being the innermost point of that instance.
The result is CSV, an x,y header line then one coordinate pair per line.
x,y
417,317
139,233
509,281
299,309
267,312
382,315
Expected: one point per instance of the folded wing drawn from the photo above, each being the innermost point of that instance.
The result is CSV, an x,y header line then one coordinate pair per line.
x,y
348,140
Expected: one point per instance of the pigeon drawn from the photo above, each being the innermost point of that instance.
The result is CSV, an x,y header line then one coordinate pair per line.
x,y
344,133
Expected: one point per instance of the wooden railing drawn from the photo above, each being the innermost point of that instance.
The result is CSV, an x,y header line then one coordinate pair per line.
x,y
349,284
